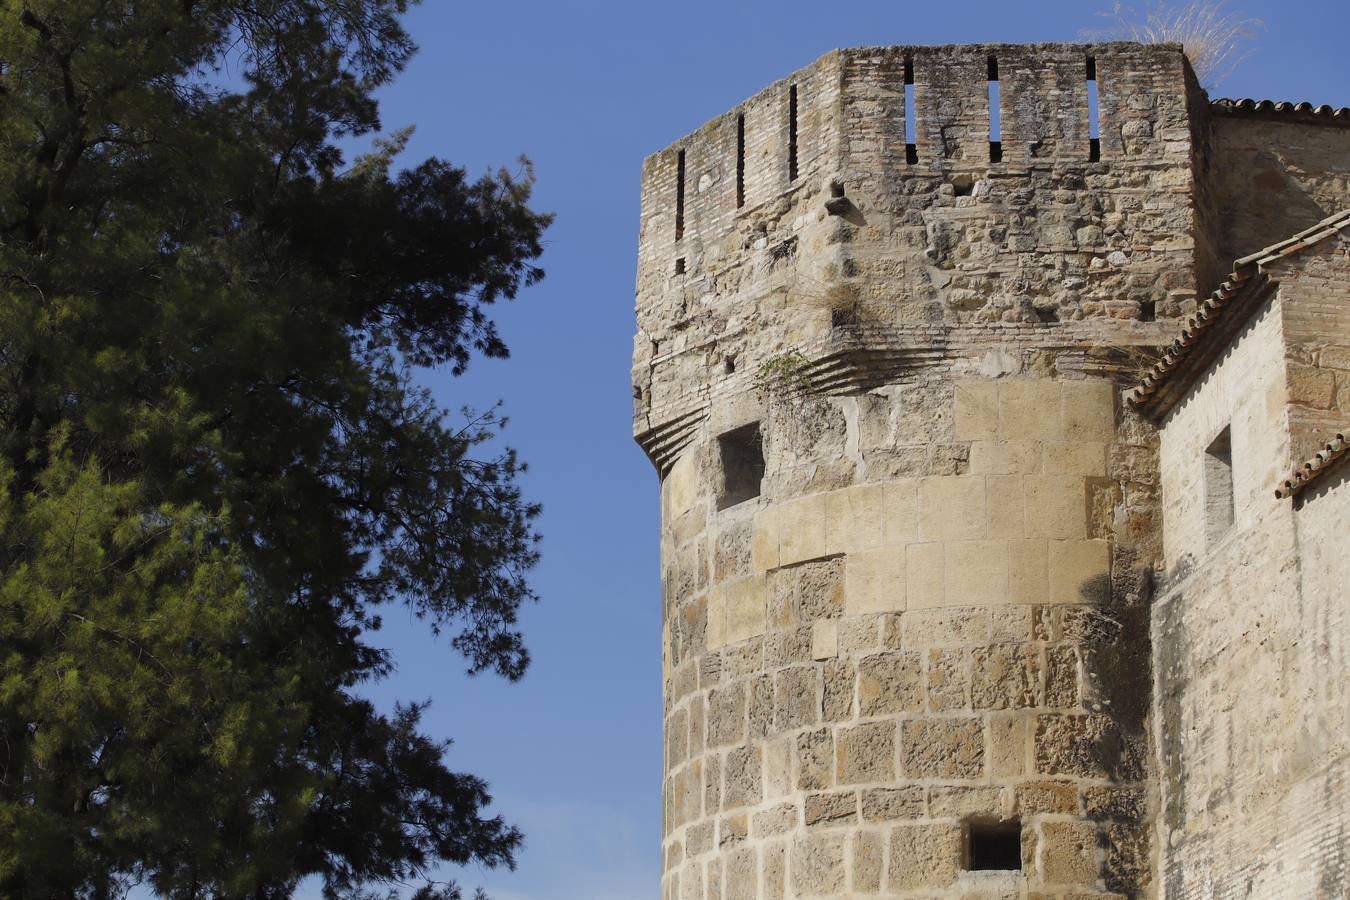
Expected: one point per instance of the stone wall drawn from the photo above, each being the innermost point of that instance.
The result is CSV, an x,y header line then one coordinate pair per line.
x,y
1276,174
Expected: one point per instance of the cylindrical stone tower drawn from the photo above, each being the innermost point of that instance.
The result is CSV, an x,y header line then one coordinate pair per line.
x,y
906,521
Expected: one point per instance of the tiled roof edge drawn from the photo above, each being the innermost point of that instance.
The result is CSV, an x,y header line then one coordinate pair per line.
x,y
1307,473
1211,309
1324,114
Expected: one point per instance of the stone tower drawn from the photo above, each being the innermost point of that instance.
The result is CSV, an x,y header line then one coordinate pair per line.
x,y
910,529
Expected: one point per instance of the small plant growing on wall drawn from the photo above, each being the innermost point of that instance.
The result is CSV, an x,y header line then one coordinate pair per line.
x,y
783,375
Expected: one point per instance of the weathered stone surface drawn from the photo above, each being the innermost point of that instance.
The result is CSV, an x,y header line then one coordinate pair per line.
x,y
866,753
942,748
890,683
923,856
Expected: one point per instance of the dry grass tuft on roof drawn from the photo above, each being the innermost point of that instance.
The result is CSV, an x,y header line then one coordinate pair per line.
x,y
1214,38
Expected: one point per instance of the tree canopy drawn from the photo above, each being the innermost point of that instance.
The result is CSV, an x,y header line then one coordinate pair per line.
x,y
216,467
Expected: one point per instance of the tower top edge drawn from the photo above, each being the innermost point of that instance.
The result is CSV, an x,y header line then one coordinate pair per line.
x,y
921,51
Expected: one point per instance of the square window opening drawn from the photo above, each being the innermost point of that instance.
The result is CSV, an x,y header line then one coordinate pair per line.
x,y
1219,485
742,455
994,846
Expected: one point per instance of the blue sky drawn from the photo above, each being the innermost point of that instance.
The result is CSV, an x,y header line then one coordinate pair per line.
x,y
586,90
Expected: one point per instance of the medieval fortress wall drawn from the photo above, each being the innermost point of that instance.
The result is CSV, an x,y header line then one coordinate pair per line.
x,y
911,533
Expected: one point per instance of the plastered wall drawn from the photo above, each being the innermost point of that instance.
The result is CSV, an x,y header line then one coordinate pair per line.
x,y
1249,640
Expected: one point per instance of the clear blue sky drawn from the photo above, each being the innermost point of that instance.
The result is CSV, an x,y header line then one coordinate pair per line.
x,y
573,752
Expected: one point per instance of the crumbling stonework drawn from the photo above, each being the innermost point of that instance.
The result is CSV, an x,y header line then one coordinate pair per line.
x,y
910,526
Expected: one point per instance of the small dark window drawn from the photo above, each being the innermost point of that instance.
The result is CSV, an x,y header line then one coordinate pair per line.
x,y
995,846
729,365
679,266
742,456
1148,311
1219,486
963,185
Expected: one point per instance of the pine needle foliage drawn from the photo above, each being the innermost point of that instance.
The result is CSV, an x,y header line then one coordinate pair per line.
x,y
1215,38
216,467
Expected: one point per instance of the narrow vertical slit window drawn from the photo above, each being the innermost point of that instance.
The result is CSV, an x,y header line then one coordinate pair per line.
x,y
679,196
1094,135
740,161
911,141
995,117
792,133
1219,486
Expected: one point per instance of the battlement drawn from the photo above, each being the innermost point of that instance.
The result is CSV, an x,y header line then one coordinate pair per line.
x,y
950,186
871,119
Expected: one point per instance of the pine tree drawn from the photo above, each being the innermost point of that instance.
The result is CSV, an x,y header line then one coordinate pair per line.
x,y
216,466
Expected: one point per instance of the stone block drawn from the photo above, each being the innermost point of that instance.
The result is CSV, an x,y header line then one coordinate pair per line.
x,y
1005,676
773,870
1068,853
818,864
859,634
925,576
715,631
923,856
889,804
726,715
854,519
1085,458
744,610
1082,746
681,486
1005,457
1005,506
740,873
778,755
865,862
977,409
1028,571
890,683
832,808
775,820
824,639
947,680
796,697
1011,623
1061,677
764,545
942,748
815,759
900,510
1041,798
1030,410
865,753
951,508
976,573
1079,571
744,778
1056,506
839,676
952,626
1009,745
1089,411
801,529
961,801
874,581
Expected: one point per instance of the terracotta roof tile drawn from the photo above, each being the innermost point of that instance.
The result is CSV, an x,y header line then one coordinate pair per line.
x,y
1338,115
1305,474
1210,310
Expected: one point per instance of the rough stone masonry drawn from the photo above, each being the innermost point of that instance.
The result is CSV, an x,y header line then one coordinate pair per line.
x,y
943,615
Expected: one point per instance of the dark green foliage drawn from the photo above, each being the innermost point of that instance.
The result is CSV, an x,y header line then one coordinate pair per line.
x,y
214,466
